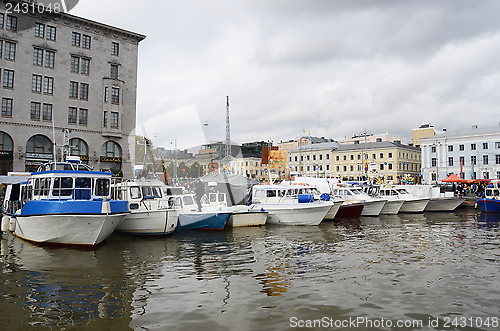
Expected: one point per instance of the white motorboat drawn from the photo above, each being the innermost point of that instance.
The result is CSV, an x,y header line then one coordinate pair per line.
x,y
150,213
241,215
373,206
286,206
63,203
394,200
412,204
439,201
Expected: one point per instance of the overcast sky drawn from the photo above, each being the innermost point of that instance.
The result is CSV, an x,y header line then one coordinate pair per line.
x,y
330,67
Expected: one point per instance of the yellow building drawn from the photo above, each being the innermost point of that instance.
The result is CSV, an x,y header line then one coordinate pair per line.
x,y
250,167
388,160
424,131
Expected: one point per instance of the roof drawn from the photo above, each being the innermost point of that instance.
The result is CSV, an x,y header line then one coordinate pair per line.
x,y
495,130
315,147
380,144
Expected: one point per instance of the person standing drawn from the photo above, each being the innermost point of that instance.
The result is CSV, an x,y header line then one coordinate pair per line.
x,y
199,191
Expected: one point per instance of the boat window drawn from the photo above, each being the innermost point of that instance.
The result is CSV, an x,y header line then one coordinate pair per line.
x,y
259,194
36,191
188,200
102,187
221,197
157,192
83,188
135,192
393,192
402,191
356,192
281,193
62,186
147,192
213,197
496,193
178,202
289,192
45,186
271,193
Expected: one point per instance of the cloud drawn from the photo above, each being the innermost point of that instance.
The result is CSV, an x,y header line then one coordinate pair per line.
x,y
336,67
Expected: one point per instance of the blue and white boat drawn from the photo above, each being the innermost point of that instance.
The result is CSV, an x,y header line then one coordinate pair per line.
x,y
63,203
190,217
490,203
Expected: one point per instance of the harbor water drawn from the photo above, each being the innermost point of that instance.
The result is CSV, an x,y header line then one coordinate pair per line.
x,y
430,271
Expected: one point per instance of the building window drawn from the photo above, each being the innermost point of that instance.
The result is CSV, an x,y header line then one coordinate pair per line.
x,y
50,59
105,119
473,147
10,51
433,149
389,166
461,147
36,83
450,161
75,39
83,116
35,111
497,159
485,145
433,162
381,155
8,78
337,157
85,66
497,144
328,156
86,41
72,115
48,85
462,160
381,166
39,30
73,90
115,96
114,120
38,56
486,175
51,33
485,159
321,157
47,112
1,20
473,160
75,64
113,71
84,91
450,148
7,107
11,23
115,48
106,98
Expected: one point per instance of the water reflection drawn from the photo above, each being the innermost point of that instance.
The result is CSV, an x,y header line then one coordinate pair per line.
x,y
412,265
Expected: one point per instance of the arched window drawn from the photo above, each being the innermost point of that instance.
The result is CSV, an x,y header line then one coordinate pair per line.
x,y
6,153
111,157
39,144
39,150
78,147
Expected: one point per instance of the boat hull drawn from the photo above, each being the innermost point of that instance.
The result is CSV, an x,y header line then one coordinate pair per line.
x,y
71,229
147,222
373,208
334,210
414,205
489,205
350,210
300,214
392,207
444,204
203,220
247,218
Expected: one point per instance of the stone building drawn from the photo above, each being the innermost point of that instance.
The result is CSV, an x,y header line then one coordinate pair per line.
x,y
68,86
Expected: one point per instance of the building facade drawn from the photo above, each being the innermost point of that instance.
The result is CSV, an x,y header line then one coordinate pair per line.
x,y
313,160
69,86
391,161
471,154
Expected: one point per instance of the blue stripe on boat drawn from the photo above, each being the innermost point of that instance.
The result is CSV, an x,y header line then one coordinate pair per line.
x,y
43,207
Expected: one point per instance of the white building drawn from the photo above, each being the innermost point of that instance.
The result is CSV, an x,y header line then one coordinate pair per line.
x,y
471,154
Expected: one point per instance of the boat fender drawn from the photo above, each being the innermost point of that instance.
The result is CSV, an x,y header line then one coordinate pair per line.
x,y
12,224
325,197
5,223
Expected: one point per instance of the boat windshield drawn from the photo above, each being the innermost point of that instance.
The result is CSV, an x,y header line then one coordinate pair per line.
x,y
402,191
135,192
356,191
188,200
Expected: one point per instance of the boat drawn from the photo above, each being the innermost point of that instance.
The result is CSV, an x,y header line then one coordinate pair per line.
x,y
189,218
150,214
372,206
438,201
241,215
350,209
394,200
63,203
288,205
412,203
490,203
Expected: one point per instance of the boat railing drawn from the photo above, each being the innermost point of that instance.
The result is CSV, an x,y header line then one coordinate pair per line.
x,y
12,206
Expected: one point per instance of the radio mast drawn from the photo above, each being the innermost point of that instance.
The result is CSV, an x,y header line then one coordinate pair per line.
x,y
228,135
